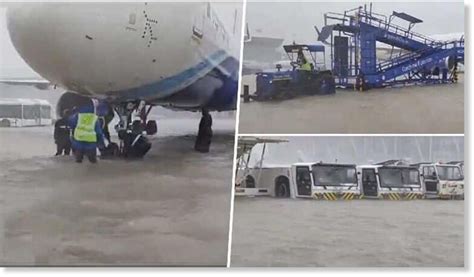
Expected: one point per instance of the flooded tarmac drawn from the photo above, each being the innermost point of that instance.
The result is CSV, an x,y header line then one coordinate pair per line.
x,y
367,233
434,109
170,209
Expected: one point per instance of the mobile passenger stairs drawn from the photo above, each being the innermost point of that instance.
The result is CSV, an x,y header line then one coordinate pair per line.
x,y
411,58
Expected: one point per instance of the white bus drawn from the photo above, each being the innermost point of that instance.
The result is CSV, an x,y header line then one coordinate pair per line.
x,y
25,112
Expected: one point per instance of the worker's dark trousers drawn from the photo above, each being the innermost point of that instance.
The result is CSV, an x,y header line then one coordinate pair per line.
x,y
63,147
91,155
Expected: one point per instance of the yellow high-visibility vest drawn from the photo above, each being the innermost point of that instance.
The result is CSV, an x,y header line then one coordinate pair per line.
x,y
306,67
85,129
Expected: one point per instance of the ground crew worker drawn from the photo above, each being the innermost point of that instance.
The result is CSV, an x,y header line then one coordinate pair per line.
x,y
204,137
62,135
136,144
87,134
305,65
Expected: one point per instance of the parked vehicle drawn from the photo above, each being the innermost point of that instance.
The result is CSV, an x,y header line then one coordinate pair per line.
x,y
25,112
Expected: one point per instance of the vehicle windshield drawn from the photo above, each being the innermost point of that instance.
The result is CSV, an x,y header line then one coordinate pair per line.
x,y
398,177
330,175
449,173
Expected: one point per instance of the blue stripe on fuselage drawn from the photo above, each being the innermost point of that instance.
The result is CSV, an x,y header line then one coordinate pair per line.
x,y
168,86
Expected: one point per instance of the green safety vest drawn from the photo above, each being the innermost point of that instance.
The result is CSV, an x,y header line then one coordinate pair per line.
x,y
85,129
306,67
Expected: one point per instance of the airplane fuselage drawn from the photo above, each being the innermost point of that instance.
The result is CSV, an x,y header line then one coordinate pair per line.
x,y
171,54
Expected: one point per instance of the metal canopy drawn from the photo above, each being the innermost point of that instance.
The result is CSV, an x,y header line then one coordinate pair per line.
x,y
245,144
296,47
407,17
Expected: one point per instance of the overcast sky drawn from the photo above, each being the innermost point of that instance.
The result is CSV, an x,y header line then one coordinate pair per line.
x,y
296,21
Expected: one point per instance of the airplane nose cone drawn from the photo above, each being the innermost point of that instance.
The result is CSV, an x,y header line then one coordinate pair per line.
x,y
34,32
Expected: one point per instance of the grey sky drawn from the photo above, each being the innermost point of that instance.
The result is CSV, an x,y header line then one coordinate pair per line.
x,y
361,150
295,20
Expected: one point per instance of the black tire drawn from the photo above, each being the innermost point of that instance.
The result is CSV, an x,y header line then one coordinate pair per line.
x,y
5,123
282,188
249,182
151,127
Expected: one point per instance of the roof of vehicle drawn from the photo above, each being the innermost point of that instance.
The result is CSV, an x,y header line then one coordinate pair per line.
x,y
386,166
436,164
245,144
322,163
296,47
23,101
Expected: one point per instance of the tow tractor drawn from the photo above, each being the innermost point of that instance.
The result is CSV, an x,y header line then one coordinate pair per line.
x,y
440,180
284,84
322,181
390,180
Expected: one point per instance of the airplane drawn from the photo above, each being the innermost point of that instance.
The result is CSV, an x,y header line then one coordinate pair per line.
x,y
131,56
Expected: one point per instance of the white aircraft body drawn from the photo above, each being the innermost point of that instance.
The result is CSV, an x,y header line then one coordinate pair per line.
x,y
130,51
131,55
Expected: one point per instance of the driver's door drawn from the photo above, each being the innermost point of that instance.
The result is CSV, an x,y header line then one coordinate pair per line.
x,y
369,182
430,179
303,181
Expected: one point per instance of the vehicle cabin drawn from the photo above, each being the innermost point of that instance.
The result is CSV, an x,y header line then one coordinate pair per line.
x,y
441,180
25,112
308,75
393,182
307,180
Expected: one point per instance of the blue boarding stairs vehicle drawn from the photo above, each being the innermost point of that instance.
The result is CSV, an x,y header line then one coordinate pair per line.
x,y
413,58
285,84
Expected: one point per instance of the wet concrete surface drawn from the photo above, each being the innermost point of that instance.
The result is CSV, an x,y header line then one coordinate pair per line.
x,y
433,109
358,233
169,209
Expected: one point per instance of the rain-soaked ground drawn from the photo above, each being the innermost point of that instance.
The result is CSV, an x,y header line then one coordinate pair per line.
x,y
171,208
413,109
367,233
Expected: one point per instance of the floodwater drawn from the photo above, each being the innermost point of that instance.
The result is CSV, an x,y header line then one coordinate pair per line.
x,y
434,109
169,209
359,233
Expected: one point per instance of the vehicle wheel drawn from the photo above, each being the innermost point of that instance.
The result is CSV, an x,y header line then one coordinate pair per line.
x,y
282,189
5,123
151,127
326,84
